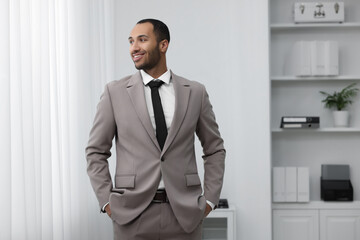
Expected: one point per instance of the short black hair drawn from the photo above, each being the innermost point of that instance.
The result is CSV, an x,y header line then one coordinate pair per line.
x,y
160,29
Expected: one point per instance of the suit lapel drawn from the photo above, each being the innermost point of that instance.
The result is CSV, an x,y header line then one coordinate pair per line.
x,y
182,93
135,89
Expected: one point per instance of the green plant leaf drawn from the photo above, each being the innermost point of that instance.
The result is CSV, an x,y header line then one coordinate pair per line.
x,y
340,100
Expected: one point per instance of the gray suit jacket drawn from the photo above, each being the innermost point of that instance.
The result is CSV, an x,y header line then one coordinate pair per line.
x,y
122,113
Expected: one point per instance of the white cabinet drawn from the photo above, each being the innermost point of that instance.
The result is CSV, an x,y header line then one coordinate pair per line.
x,y
295,225
220,224
317,221
340,224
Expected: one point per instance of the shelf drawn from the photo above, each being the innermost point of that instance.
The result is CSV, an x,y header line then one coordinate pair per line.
x,y
318,205
290,26
316,78
329,130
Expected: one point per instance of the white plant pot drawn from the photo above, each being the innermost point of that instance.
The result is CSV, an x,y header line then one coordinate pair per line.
x,y
341,118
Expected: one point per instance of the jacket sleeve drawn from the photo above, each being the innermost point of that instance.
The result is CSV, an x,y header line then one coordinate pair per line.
x,y
98,148
213,148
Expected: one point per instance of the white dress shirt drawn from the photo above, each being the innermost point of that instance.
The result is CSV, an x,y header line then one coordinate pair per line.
x,y
167,96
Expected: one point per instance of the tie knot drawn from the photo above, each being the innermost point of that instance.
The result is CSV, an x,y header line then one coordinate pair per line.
x,y
155,83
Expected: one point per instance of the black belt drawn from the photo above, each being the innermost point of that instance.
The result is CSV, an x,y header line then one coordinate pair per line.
x,y
160,196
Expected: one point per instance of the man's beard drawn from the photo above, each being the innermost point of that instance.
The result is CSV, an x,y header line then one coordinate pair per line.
x,y
154,58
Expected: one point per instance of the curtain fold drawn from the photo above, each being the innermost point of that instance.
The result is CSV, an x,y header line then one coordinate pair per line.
x,y
56,55
5,133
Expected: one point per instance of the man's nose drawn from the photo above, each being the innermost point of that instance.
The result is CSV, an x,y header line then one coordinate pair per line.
x,y
134,47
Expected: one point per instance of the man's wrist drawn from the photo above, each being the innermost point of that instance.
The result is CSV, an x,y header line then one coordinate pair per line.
x,y
210,204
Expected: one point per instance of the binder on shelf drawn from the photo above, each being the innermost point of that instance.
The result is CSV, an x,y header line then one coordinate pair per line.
x,y
331,58
303,184
318,58
324,58
290,184
301,58
300,122
278,184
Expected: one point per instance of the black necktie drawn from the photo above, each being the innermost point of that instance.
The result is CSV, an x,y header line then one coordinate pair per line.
x,y
161,129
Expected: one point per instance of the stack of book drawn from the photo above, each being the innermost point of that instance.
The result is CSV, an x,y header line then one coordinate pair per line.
x,y
300,122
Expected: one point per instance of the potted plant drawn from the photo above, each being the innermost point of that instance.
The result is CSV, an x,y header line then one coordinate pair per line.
x,y
340,101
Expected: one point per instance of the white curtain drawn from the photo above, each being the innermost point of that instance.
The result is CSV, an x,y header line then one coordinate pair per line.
x,y
55,57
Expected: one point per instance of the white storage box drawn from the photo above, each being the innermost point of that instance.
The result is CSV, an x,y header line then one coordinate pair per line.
x,y
319,12
313,58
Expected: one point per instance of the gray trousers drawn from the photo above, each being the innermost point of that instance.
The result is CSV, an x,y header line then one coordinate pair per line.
x,y
157,222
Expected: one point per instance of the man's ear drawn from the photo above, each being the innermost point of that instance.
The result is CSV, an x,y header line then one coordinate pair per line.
x,y
163,45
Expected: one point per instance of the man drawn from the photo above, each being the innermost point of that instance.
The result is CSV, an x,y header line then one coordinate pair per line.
x,y
157,192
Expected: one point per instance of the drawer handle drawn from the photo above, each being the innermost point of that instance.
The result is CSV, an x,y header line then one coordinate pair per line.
x,y
337,6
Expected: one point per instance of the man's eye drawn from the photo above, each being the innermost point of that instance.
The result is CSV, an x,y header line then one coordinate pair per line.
x,y
131,41
142,39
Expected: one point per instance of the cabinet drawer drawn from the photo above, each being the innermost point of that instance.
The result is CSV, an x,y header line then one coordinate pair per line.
x,y
296,224
340,224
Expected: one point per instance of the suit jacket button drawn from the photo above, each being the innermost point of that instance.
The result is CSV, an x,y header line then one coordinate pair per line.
x,y
162,159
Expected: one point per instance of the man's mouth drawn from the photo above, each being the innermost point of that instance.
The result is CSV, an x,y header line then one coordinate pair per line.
x,y
137,56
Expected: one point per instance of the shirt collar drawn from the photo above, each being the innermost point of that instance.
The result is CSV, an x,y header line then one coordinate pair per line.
x,y
147,78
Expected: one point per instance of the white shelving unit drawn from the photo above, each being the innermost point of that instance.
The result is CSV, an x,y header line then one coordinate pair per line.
x,y
220,224
299,96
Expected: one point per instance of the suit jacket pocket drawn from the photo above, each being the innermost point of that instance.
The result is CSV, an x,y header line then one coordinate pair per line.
x,y
125,181
192,180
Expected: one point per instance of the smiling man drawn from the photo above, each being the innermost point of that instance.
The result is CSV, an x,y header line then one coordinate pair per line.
x,y
154,116
147,50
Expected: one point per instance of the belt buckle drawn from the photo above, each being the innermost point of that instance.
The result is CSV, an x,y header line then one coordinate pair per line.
x,y
162,196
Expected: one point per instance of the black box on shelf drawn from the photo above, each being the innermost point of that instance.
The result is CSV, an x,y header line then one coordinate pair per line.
x,y
337,190
335,183
223,203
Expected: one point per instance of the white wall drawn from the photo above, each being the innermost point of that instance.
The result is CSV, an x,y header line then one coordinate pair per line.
x,y
223,44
